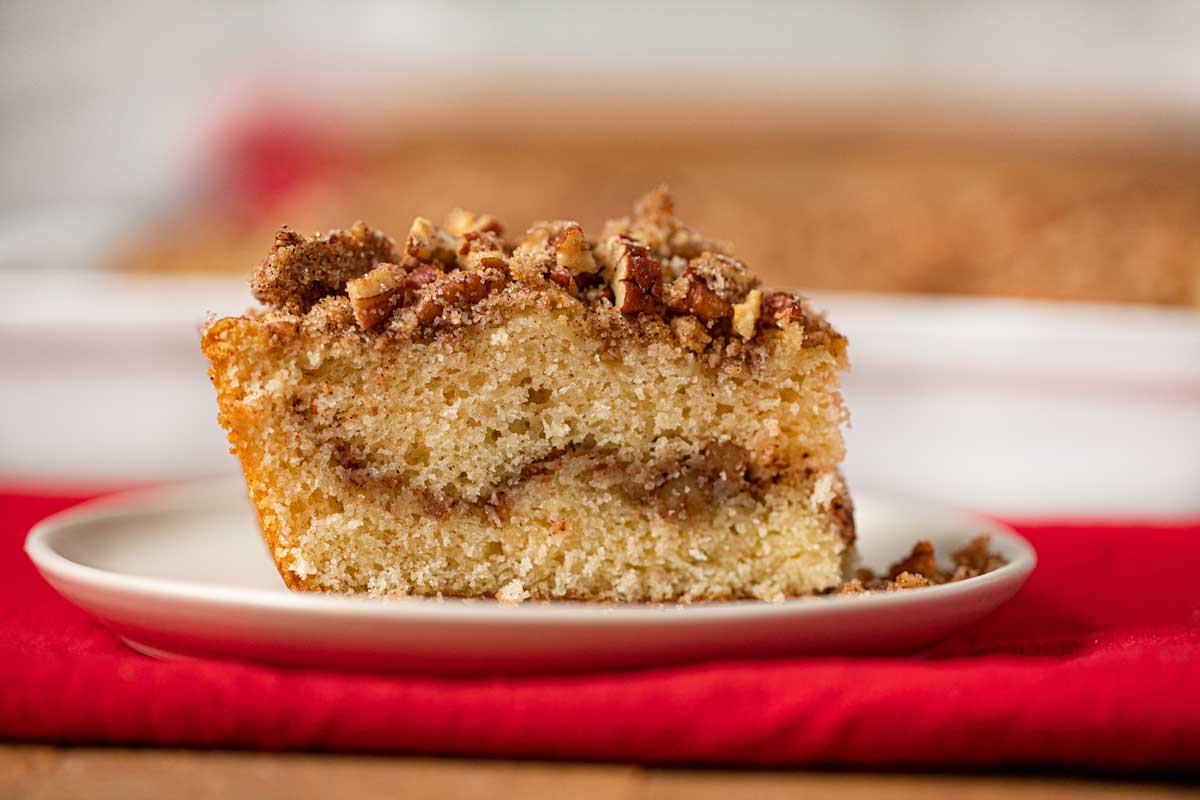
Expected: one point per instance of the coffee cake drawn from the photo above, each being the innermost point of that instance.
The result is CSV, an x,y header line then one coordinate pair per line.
x,y
628,417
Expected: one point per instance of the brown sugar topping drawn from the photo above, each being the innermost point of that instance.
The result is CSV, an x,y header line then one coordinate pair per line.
x,y
645,265
300,271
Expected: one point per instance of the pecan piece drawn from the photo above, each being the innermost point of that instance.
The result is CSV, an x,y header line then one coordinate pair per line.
x,y
421,275
637,277
746,314
572,252
376,295
427,310
474,288
460,222
552,245
455,289
450,292
427,242
562,277
780,308
691,295
481,250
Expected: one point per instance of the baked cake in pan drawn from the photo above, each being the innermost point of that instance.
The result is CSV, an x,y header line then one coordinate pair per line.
x,y
628,417
848,204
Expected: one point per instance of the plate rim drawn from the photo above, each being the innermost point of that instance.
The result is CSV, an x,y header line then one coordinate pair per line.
x,y
55,567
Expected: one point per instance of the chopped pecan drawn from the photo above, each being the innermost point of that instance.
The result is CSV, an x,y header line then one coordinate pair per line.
x,y
495,278
427,242
377,294
422,275
427,310
474,288
780,308
572,252
637,277
460,222
654,224
444,291
746,314
451,291
550,245
562,277
481,250
689,294
536,239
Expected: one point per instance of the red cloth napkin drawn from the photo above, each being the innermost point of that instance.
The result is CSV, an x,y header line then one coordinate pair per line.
x,y
1096,663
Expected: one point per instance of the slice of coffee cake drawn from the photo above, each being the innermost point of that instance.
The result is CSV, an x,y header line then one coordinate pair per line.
x,y
627,418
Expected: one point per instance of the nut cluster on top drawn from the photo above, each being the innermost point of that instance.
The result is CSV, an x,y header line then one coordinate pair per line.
x,y
646,264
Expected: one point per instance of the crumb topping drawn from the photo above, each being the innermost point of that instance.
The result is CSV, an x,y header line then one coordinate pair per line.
x,y
920,568
648,266
301,271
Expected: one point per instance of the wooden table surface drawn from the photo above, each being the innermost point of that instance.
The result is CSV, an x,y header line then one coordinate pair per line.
x,y
28,771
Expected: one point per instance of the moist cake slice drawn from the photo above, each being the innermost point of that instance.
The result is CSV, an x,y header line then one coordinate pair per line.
x,y
624,418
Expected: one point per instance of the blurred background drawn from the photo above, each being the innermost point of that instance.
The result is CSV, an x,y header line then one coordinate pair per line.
x,y
999,203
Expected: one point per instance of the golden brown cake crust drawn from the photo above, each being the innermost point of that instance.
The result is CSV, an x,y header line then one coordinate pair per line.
x,y
240,423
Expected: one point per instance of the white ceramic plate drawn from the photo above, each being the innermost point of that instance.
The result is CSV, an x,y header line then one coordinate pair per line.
x,y
182,571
